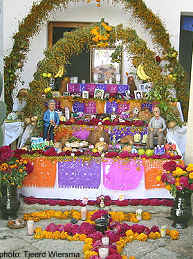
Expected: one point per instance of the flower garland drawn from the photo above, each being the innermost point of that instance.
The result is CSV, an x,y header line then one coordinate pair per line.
x,y
117,216
107,201
39,12
119,234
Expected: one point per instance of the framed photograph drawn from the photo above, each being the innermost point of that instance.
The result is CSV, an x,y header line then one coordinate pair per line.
x,y
56,94
85,94
146,87
102,67
99,93
127,93
66,93
138,94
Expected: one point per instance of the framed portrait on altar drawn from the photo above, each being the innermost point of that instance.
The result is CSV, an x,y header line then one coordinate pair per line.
x,y
85,94
102,66
138,95
99,93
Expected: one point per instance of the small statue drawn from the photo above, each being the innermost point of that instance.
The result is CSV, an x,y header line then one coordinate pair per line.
x,y
156,127
51,121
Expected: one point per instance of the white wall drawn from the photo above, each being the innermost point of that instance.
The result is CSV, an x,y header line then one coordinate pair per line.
x,y
168,11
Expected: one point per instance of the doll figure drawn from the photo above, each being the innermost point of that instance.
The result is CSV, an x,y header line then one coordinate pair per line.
x,y
51,120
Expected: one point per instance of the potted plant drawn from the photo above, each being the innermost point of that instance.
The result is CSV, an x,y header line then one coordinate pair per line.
x,y
179,181
12,173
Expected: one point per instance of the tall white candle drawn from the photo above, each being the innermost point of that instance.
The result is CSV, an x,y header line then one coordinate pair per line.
x,y
103,252
105,241
139,214
30,227
83,213
163,231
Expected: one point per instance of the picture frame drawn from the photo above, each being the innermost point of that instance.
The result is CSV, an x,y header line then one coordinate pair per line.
x,y
102,66
145,88
127,93
138,94
66,93
56,94
85,94
99,94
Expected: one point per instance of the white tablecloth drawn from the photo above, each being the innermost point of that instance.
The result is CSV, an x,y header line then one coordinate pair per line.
x,y
12,131
72,193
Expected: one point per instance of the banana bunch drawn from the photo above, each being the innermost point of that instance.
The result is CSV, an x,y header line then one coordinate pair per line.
x,y
60,71
141,73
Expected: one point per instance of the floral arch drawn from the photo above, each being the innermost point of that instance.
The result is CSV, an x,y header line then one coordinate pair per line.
x,y
56,56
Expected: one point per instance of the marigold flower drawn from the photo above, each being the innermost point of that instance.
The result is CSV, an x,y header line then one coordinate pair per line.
x,y
168,187
189,167
146,215
174,234
191,175
142,237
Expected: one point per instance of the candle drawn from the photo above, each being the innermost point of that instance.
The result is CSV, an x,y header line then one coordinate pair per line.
x,y
139,214
118,78
83,213
17,222
105,241
95,77
110,80
163,231
30,227
103,252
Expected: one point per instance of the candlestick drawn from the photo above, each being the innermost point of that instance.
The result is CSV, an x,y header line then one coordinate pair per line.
x,y
30,227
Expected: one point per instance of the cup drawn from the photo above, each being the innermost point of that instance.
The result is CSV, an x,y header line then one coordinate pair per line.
x,y
30,227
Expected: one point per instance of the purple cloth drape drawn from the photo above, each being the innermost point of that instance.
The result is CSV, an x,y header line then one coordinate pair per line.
x,y
79,174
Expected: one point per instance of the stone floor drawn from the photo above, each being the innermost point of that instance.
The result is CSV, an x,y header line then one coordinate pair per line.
x,y
25,246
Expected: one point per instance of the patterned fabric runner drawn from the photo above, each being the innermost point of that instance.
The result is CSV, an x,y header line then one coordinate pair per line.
x,y
79,174
122,175
43,175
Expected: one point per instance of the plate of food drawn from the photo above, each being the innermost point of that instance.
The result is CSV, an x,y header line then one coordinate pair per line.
x,y
17,223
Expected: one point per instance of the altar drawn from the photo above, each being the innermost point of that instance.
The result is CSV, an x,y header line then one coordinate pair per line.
x,y
133,178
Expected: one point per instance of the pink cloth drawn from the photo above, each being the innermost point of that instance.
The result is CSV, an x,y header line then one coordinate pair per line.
x,y
123,174
112,88
90,88
90,108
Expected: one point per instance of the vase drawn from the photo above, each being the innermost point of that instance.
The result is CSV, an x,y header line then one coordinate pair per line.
x,y
9,202
182,210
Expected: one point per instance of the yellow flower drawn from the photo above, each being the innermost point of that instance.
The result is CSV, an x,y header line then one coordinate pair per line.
x,y
154,235
174,234
146,215
189,167
168,187
142,237
191,175
158,178
82,237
